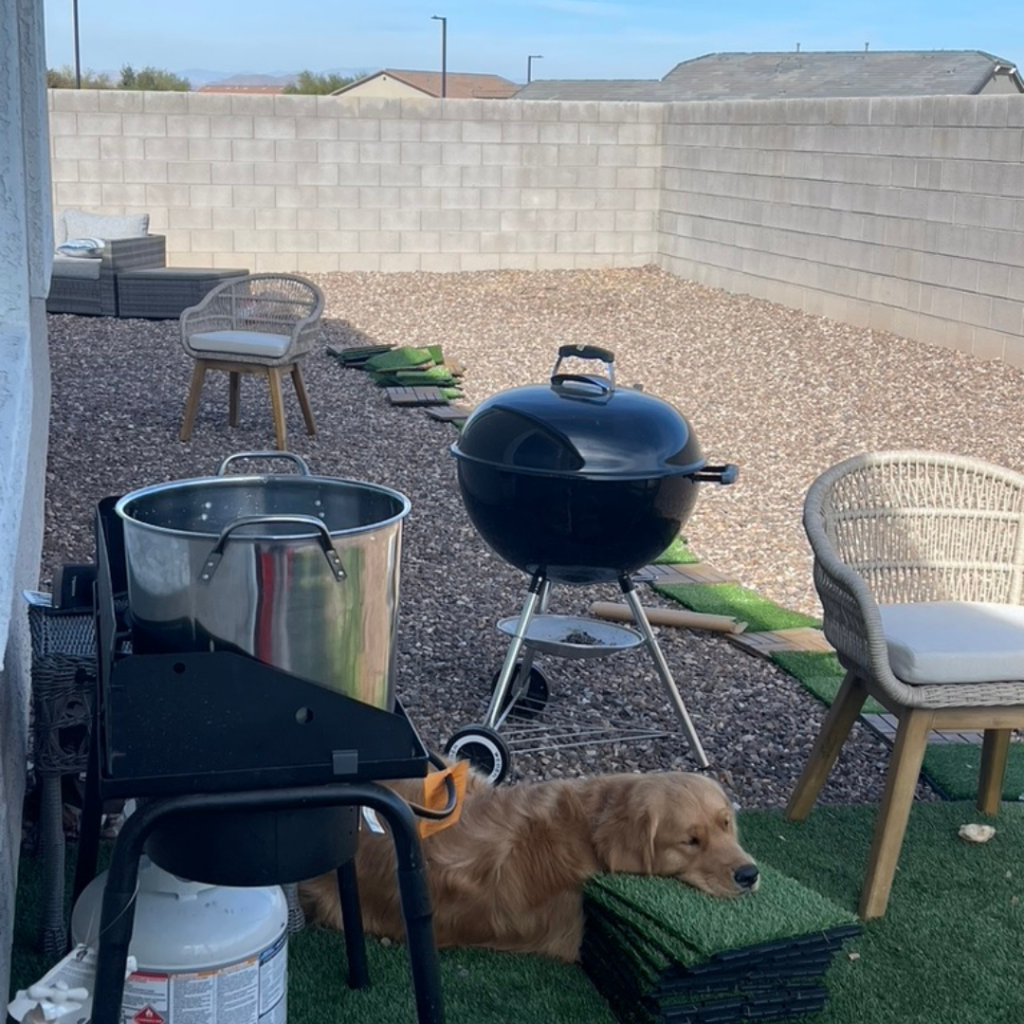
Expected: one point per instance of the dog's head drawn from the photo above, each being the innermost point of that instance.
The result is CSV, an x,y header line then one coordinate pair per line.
x,y
674,824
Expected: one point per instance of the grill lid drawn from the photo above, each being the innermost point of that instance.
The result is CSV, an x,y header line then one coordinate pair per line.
x,y
581,426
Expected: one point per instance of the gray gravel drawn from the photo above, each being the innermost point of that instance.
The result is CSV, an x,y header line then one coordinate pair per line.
x,y
781,393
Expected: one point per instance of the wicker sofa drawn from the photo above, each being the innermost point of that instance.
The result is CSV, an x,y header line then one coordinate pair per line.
x,y
86,284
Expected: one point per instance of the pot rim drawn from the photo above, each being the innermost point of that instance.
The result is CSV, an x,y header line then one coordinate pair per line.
x,y
235,480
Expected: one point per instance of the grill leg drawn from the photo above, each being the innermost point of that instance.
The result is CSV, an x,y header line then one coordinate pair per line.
x,y
537,595
640,617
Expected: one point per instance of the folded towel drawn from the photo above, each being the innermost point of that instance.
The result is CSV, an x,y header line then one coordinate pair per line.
x,y
82,247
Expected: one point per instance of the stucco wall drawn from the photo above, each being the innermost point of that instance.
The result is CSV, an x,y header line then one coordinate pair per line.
x,y
328,183
906,215
25,250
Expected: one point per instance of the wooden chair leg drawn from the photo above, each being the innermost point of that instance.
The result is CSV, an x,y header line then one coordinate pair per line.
x,y
277,407
891,825
234,392
192,402
834,730
994,751
300,392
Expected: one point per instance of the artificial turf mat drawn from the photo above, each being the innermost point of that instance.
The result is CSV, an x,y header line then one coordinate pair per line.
x,y
738,602
659,950
479,986
697,926
404,358
677,553
952,768
950,949
821,674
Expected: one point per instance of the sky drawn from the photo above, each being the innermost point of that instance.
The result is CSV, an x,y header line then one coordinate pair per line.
x,y
574,38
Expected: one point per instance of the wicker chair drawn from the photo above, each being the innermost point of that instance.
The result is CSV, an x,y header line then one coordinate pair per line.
x,y
261,324
919,564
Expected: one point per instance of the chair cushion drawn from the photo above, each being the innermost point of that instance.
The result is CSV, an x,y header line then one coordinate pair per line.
x,y
78,224
955,641
241,343
77,266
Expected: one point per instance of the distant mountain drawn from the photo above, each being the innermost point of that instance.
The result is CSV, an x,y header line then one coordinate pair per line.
x,y
201,76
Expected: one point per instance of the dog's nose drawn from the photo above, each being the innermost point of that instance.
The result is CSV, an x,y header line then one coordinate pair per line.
x,y
746,876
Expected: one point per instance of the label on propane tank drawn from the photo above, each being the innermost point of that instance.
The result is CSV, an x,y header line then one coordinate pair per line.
x,y
249,991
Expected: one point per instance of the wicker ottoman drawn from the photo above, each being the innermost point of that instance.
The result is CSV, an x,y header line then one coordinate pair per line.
x,y
161,293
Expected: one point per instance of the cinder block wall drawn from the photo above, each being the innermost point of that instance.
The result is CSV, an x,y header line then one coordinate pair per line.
x,y
903,214
317,184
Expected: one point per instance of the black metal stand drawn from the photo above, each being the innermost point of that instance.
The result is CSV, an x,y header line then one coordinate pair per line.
x,y
217,735
118,912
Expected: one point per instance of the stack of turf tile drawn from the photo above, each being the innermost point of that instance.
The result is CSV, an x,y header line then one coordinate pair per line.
x,y
663,953
355,356
408,367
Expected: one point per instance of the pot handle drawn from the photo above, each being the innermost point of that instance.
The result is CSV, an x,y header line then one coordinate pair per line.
x,y
726,474
300,463
324,536
584,352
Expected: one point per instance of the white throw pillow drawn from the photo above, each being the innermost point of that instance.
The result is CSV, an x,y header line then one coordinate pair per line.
x,y
97,225
81,247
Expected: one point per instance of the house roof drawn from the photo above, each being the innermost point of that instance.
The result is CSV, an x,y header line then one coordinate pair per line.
x,y
458,85
624,89
857,73
796,74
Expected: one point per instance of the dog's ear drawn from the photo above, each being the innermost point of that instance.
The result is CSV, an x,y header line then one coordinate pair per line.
x,y
625,836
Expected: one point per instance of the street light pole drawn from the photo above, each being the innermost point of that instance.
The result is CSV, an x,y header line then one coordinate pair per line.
x,y
529,65
444,53
74,30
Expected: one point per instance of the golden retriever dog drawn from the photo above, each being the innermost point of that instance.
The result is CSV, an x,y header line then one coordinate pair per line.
x,y
509,874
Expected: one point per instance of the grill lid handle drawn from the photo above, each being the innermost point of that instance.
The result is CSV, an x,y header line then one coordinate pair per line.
x,y
606,356
323,535
726,474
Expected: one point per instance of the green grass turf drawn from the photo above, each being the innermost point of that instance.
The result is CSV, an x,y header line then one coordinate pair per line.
x,y
953,769
821,674
677,553
480,987
731,599
949,951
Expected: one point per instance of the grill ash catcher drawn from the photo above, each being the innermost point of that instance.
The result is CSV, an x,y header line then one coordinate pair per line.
x,y
245,774
576,482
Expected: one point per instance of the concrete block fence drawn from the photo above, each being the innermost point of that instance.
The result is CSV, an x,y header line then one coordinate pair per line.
x,y
317,184
903,214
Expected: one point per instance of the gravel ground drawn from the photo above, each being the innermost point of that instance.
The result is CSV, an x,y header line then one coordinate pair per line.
x,y
781,393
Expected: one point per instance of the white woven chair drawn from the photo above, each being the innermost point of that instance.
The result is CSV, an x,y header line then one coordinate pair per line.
x,y
919,564
261,324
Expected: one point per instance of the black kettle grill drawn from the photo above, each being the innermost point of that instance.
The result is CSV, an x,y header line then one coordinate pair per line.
x,y
579,482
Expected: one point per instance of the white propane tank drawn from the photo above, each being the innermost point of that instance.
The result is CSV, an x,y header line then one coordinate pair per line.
x,y
207,954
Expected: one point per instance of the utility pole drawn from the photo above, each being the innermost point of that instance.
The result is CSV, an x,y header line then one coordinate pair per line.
x,y
444,53
74,31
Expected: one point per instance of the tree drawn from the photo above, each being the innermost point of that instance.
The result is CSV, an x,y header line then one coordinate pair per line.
x,y
64,78
152,79
310,83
